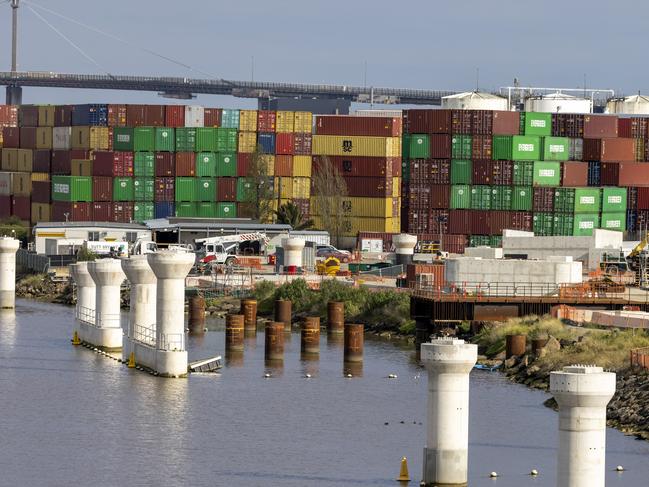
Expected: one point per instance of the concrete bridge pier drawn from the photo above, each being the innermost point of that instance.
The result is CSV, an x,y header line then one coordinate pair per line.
x,y
86,293
8,248
106,331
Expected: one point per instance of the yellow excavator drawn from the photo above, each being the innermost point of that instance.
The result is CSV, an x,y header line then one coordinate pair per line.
x,y
615,263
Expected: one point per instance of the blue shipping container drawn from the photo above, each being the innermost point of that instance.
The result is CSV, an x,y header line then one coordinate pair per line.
x,y
164,209
266,143
230,118
91,114
631,220
593,173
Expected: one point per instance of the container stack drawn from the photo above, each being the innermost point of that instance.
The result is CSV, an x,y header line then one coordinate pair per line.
x,y
366,151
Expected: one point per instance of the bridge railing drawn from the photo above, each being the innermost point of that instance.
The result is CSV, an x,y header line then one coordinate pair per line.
x,y
87,315
171,342
143,334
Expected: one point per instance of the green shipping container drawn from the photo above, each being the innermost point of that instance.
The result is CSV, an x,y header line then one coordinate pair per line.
x,y
614,221
523,173
71,188
501,197
405,147
537,123
227,140
546,173
186,189
226,210
226,164
143,189
479,240
206,139
186,209
614,200
556,148
496,241
206,210
542,224
462,147
460,196
501,147
244,189
585,224
123,138
144,164
143,210
123,189
563,224
405,170
461,171
577,200
186,139
526,148
165,139
206,164
522,198
480,197
419,146
144,139
205,189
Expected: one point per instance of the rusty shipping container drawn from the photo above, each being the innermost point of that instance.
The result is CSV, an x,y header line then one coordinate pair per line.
x,y
174,116
185,164
625,174
76,212
356,125
368,187
574,174
502,173
266,121
506,123
117,115
482,122
154,115
302,143
107,163
459,222
362,166
440,146
62,160
123,212
102,211
226,189
136,115
243,164
284,166
41,191
422,121
424,220
624,127
433,171
509,220
599,126
102,188
8,116
436,271
567,125
284,143
609,150
543,199
461,122
482,172
482,146
11,137
427,196
164,189
212,117
165,163
480,222
642,199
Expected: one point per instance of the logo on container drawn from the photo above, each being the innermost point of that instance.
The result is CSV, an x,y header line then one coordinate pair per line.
x,y
546,173
206,184
557,148
613,224
587,200
226,160
347,146
537,123
525,147
61,188
206,159
587,224
123,138
615,199
226,209
123,184
165,134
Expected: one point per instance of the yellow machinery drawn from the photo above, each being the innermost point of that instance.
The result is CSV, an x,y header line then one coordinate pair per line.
x,y
330,267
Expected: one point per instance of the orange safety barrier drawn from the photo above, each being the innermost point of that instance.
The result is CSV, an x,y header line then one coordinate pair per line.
x,y
640,357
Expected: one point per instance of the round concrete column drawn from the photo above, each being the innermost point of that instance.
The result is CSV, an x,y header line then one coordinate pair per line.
x,y
170,268
8,248
404,245
108,277
448,362
142,298
86,291
293,252
582,393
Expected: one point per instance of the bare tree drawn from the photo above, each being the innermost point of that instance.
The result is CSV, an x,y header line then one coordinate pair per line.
x,y
259,195
329,192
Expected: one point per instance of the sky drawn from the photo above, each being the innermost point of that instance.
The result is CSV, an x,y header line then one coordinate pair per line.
x,y
407,44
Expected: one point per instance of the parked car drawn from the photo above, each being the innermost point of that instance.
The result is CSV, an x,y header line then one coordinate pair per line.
x,y
325,251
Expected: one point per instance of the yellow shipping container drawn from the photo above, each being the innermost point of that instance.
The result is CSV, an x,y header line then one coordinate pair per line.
x,y
22,184
284,122
1,139
354,206
40,176
351,225
301,166
9,160
89,138
46,115
247,142
301,188
285,187
303,122
339,145
267,163
81,167
25,160
44,137
396,187
248,120
41,212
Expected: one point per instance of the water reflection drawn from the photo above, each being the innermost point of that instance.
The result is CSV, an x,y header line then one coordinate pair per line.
x,y
274,368
7,326
335,340
355,369
233,358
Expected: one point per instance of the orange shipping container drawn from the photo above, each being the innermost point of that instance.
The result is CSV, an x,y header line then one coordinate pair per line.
x,y
283,165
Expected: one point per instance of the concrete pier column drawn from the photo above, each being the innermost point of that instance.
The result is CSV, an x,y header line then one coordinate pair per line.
x,y
448,362
582,393
107,330
170,268
274,341
404,245
234,332
335,317
293,248
283,313
249,311
142,308
353,346
86,294
8,248
310,342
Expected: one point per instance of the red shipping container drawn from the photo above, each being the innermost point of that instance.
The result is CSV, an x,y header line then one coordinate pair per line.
x,y
574,174
609,150
482,123
502,173
428,196
284,143
568,125
624,174
302,144
212,117
642,202
482,172
63,115
480,222
115,164
624,127
243,164
62,160
111,134
481,146
440,146
433,171
284,166
459,221
368,187
357,125
423,121
117,115
165,163
102,188
521,220
363,166
598,126
8,116
506,123
266,121
28,137
455,244
102,211
226,189
164,189
5,206
41,160
28,115
185,164
461,121
123,212
543,199
135,115
639,127
11,137
21,207
76,212
154,115
41,191
175,116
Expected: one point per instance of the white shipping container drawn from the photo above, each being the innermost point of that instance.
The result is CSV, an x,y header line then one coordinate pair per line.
x,y
61,138
6,183
194,116
379,113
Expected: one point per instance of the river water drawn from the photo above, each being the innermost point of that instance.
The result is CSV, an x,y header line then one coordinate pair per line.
x,y
69,416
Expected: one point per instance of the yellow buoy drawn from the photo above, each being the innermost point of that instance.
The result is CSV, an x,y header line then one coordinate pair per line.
x,y
403,471
131,361
75,339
